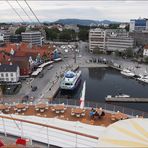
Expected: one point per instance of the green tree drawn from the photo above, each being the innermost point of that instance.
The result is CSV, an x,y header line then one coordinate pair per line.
x,y
20,30
83,34
113,26
129,52
146,59
127,28
52,34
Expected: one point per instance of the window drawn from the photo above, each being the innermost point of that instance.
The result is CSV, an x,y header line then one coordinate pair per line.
x,y
12,79
2,75
11,74
7,79
6,75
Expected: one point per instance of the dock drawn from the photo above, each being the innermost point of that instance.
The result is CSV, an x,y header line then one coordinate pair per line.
x,y
93,65
132,100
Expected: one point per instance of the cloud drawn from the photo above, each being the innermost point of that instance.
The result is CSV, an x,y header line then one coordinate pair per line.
x,y
98,10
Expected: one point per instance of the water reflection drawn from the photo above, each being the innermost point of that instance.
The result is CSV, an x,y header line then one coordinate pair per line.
x,y
101,82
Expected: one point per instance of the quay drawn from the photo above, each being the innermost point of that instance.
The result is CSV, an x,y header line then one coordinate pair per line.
x,y
53,89
121,99
85,65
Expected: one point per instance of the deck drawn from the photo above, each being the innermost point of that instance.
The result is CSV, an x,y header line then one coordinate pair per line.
x,y
103,121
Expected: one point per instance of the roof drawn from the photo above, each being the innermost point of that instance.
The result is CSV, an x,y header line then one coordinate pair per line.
x,y
146,47
8,68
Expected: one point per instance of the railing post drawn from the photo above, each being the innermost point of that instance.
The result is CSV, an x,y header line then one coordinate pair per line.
x,y
21,129
4,127
48,138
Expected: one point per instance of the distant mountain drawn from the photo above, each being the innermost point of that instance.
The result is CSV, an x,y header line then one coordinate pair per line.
x,y
83,22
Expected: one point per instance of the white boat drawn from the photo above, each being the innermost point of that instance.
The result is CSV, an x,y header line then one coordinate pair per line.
x,y
122,96
127,72
71,80
119,96
143,78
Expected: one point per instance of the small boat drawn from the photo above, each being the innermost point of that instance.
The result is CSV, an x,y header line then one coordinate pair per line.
x,y
122,96
119,96
127,72
143,78
71,80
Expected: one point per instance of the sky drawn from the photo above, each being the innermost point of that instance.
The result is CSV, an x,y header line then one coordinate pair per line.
x,y
51,10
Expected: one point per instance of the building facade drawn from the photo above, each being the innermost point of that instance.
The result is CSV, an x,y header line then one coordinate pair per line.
x,y
32,37
97,39
5,35
110,40
9,73
138,25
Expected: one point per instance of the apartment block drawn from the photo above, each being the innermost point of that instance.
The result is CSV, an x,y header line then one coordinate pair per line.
x,y
32,37
110,40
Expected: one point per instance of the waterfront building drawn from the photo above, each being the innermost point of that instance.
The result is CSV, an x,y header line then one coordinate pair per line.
x,y
138,24
110,40
32,37
9,73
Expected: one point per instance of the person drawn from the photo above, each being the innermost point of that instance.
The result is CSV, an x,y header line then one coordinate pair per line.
x,y
92,113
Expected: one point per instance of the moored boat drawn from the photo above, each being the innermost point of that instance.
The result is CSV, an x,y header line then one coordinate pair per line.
x,y
71,80
127,72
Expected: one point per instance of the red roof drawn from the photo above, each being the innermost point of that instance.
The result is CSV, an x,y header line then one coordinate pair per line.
x,y
146,47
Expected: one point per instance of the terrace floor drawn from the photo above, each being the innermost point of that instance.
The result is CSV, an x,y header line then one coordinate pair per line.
x,y
103,121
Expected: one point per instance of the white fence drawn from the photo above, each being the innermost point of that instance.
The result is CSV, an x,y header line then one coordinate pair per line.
x,y
51,131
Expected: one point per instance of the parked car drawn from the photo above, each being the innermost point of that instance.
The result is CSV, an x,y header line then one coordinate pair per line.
x,y
41,75
34,88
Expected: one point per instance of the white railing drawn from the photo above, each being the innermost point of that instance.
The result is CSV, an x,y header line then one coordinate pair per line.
x,y
44,130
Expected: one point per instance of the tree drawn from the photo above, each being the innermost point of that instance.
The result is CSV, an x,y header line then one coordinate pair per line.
x,y
20,30
129,52
83,34
127,28
146,59
113,26
52,34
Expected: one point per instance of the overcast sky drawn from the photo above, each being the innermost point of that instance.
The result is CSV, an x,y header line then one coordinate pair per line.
x,y
97,10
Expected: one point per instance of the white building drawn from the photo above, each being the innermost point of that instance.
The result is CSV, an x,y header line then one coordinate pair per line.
x,y
4,35
118,39
97,39
32,37
72,27
145,51
109,40
9,73
138,24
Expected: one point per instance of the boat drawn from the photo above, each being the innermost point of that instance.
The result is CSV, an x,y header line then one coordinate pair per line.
x,y
143,78
122,96
71,80
127,72
118,96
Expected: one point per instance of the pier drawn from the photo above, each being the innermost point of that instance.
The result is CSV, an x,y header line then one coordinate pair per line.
x,y
94,65
132,100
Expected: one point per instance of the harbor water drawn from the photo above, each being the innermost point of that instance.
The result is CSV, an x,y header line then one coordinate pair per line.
x,y
101,82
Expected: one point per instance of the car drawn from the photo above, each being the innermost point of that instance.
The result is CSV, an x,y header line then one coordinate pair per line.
x,y
41,75
34,88
50,67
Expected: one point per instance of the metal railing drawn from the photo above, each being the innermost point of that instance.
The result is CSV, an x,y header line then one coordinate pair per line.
x,y
108,107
